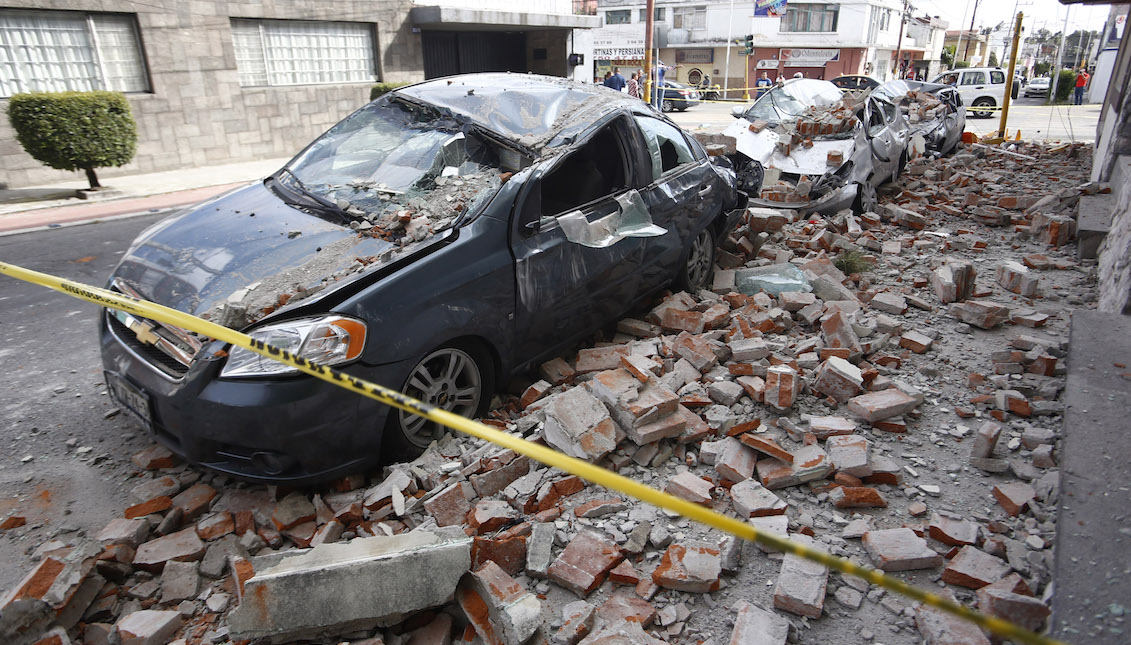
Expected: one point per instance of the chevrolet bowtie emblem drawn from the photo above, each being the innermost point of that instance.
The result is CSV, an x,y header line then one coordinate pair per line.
x,y
144,332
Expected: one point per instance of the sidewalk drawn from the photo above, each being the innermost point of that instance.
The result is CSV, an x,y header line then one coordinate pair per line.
x,y
36,207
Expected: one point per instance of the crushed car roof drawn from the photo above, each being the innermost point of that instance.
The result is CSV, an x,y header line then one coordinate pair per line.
x,y
531,110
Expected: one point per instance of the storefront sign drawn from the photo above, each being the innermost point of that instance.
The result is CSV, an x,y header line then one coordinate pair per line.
x,y
618,53
694,56
768,63
769,8
809,57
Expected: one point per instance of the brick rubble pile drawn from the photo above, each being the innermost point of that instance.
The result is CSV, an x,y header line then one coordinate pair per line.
x,y
906,417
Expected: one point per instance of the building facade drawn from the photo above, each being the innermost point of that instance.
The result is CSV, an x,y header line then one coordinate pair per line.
x,y
972,46
219,81
820,39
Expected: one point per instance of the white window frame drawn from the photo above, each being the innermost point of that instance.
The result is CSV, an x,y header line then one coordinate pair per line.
x,y
689,18
30,62
810,12
261,62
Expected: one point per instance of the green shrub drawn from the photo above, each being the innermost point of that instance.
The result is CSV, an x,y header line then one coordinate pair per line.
x,y
383,88
961,64
1065,85
75,130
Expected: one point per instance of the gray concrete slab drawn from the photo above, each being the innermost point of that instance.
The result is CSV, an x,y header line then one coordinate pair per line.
x,y
1093,553
1092,224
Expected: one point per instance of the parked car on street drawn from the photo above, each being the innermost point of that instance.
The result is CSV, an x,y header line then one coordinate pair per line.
x,y
440,239
678,96
982,88
1038,86
809,145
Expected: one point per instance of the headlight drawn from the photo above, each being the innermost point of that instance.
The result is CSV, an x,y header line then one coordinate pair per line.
x,y
326,340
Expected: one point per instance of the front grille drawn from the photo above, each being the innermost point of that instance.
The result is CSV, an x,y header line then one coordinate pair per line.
x,y
168,349
150,354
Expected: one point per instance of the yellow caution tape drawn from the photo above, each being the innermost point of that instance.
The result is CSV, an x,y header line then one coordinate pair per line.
x,y
544,454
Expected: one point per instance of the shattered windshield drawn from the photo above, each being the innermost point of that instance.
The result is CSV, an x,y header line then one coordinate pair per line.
x,y
394,162
789,101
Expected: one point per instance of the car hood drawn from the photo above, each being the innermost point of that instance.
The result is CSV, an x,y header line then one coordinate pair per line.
x,y
762,147
244,255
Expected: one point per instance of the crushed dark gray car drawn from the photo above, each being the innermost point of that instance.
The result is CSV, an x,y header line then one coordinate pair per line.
x,y
443,237
809,145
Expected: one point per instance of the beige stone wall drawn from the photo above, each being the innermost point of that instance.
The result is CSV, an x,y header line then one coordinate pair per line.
x,y
197,113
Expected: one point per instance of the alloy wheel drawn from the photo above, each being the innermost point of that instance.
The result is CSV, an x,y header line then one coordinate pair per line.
x,y
449,379
699,259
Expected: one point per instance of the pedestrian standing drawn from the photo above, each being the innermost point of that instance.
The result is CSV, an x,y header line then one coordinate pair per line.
x,y
615,81
762,84
634,86
1081,82
658,90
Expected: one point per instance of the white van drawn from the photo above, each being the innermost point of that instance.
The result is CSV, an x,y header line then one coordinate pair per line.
x,y
980,87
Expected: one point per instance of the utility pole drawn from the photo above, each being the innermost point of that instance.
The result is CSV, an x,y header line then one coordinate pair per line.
x,y
648,26
1009,75
958,45
966,54
730,39
899,44
1059,56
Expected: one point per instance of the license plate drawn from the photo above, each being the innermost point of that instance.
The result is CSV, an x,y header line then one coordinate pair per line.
x,y
131,399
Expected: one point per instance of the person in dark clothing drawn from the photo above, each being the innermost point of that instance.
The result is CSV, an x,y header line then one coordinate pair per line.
x,y
615,81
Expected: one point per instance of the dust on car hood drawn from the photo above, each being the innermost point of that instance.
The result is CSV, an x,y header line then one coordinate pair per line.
x,y
243,255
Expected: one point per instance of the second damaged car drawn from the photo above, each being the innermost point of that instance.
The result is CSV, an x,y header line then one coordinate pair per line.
x,y
440,239
811,146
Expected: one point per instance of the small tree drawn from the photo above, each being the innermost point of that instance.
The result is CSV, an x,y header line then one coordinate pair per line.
x,y
75,130
993,59
383,88
1064,86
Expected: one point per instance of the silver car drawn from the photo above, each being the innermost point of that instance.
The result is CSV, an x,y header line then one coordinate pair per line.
x,y
935,114
809,145
1038,86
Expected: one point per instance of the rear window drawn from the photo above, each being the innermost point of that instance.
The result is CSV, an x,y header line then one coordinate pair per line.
x,y
997,78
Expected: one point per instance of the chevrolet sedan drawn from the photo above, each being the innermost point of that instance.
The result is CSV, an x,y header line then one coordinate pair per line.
x,y
438,240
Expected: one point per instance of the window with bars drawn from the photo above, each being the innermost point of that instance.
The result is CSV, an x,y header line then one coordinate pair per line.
x,y
810,17
59,51
299,52
689,17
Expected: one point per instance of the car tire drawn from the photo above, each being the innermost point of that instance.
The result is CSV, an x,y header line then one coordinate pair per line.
x,y
456,378
983,103
698,262
866,198
666,106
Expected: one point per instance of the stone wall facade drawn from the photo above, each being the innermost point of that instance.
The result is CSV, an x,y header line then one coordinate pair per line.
x,y
196,112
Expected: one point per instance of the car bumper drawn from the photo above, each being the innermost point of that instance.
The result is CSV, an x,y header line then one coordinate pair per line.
x,y
828,204
296,430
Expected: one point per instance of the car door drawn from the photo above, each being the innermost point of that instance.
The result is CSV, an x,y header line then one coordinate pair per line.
x,y
569,284
972,84
884,140
681,192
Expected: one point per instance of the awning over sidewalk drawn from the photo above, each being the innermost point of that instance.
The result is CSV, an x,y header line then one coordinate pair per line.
x,y
460,19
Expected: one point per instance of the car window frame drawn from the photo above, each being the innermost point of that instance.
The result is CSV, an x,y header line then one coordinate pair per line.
x,y
680,168
998,74
528,208
971,73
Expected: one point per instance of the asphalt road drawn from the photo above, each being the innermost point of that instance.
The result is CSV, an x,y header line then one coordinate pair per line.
x,y
52,394
1036,120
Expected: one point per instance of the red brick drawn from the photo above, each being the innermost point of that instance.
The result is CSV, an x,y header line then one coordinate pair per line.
x,y
215,525
154,457
689,568
974,568
858,497
155,505
534,392
584,563
1014,497
624,574
767,446
182,546
194,500
509,553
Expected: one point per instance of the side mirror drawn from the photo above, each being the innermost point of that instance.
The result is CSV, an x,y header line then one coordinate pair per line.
x,y
737,111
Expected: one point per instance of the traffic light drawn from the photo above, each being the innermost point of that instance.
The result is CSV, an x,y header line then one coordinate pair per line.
x,y
748,45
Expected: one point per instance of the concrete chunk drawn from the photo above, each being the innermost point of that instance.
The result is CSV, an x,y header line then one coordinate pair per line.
x,y
297,594
578,424
512,614
801,585
149,627
899,550
756,626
